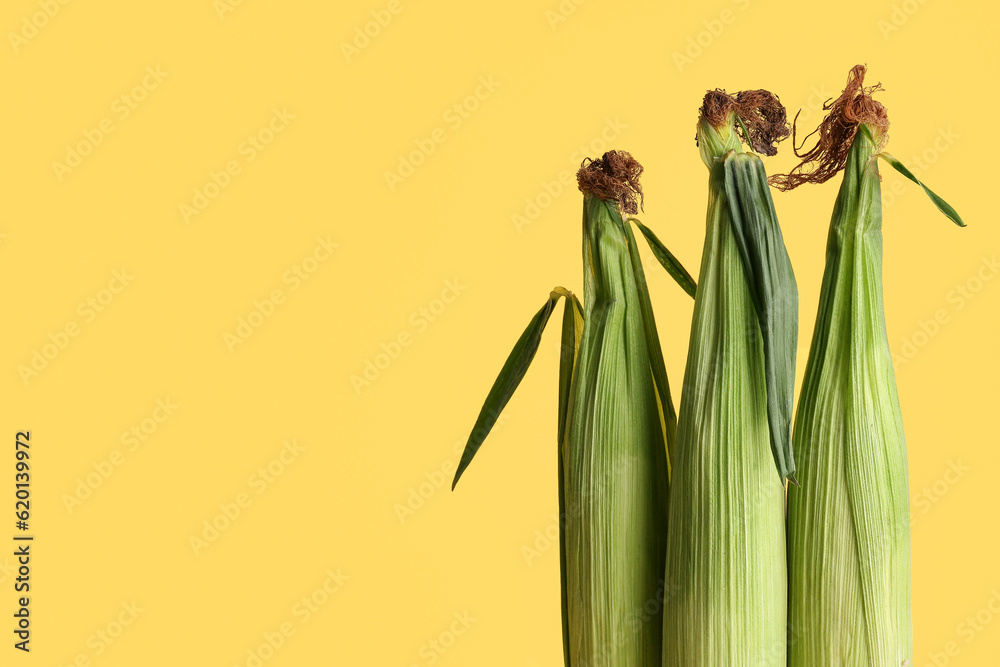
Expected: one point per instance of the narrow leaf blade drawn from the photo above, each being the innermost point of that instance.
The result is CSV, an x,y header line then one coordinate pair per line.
x,y
507,381
657,367
667,259
572,332
942,205
773,291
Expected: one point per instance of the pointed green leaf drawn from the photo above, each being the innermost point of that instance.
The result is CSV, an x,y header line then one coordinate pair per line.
x,y
942,205
656,365
507,381
667,259
772,289
572,332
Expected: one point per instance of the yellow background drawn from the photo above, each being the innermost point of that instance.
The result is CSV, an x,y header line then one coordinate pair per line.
x,y
404,578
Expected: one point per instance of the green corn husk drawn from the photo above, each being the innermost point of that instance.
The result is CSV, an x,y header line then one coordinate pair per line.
x,y
616,422
848,524
725,571
852,605
615,453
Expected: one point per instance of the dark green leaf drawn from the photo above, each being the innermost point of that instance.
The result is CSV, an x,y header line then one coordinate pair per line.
x,y
507,381
772,290
667,259
656,365
572,331
942,205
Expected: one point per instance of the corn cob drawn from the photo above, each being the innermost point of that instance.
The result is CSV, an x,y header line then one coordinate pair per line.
x,y
725,566
616,421
848,524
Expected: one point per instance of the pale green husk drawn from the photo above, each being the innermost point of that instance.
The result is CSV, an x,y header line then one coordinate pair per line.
x,y
616,428
615,458
848,524
725,578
